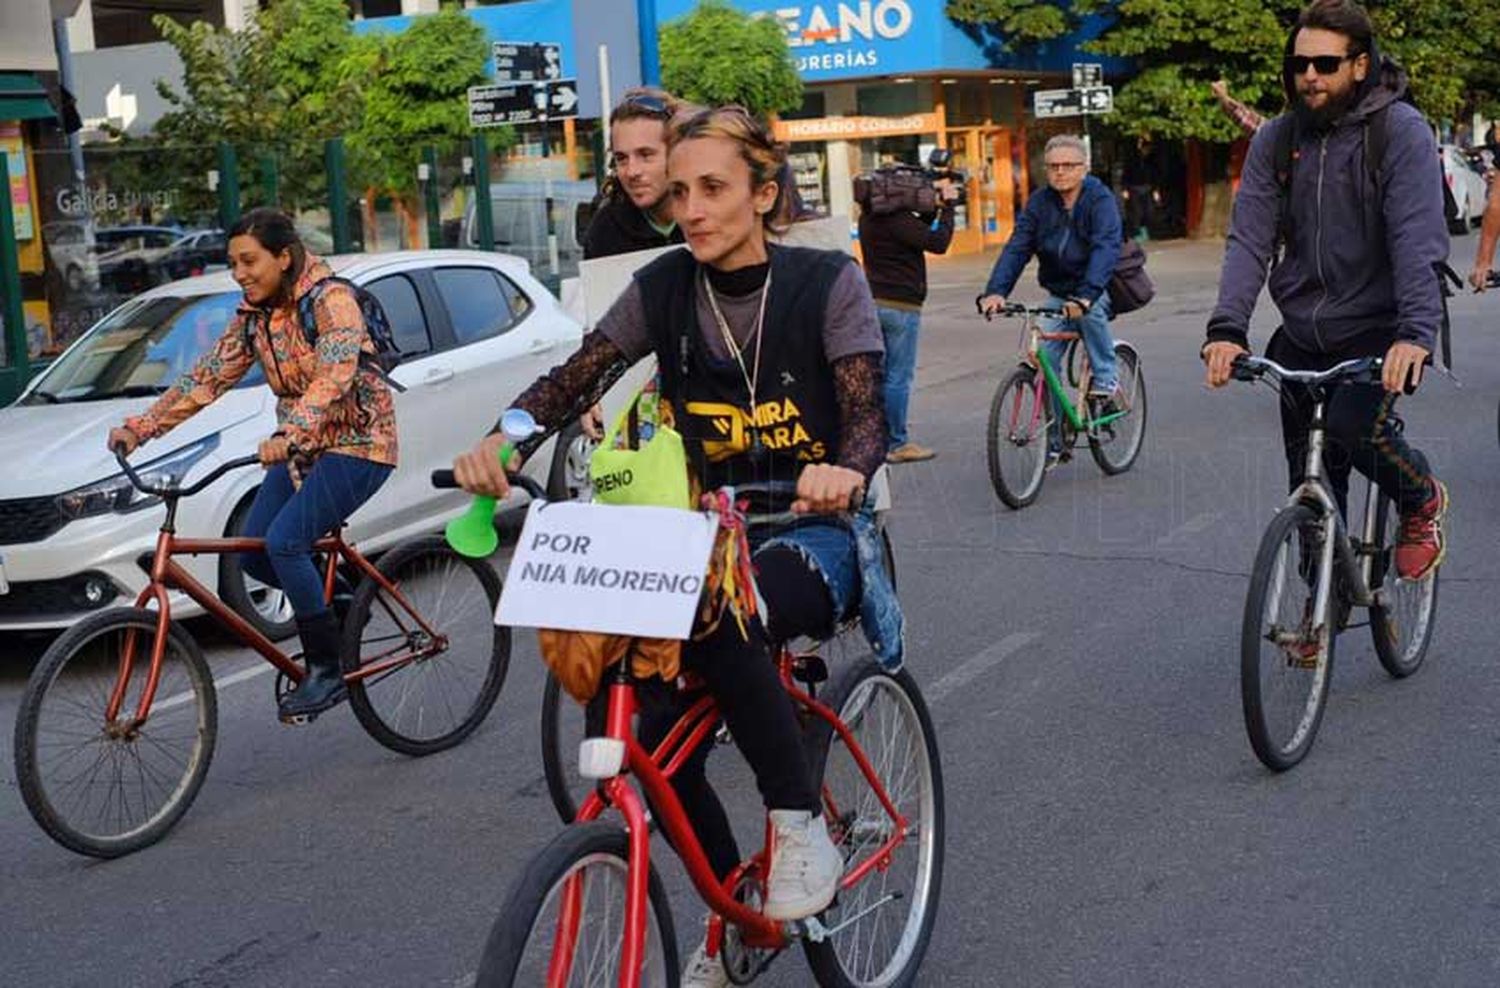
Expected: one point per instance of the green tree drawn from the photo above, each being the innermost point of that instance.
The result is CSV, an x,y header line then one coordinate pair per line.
x,y
718,55
1018,21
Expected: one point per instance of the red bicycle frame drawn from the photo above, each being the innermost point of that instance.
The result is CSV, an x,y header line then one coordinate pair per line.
x,y
166,575
655,771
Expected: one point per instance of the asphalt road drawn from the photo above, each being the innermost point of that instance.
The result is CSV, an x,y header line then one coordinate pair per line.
x,y
1107,822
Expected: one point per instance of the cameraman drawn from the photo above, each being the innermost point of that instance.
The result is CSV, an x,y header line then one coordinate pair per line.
x,y
893,244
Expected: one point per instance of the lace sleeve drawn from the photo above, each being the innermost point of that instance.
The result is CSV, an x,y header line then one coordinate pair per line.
x,y
857,381
570,389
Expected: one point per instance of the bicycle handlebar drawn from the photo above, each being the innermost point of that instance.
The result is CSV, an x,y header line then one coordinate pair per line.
x,y
172,490
1248,367
445,479
1016,309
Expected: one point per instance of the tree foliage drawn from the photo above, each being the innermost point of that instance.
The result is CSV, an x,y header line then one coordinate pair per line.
x,y
299,76
718,55
1178,47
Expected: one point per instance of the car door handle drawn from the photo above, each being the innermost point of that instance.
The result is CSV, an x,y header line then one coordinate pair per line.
x,y
542,346
438,375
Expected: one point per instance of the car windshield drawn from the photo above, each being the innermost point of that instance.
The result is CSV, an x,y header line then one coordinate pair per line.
x,y
140,349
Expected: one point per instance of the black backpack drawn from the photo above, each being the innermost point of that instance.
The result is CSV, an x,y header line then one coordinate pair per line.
x,y
386,356
1284,157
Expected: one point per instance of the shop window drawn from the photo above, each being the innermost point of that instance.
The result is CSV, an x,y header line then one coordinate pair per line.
x,y
1010,104
120,22
814,106
894,99
966,102
375,8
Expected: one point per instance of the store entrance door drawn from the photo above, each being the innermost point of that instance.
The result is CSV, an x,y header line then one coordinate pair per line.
x,y
998,188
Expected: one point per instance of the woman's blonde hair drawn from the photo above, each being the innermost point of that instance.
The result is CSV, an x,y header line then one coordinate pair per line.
x,y
762,152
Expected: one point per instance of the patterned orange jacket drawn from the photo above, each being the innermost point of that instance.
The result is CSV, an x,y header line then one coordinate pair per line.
x,y
326,400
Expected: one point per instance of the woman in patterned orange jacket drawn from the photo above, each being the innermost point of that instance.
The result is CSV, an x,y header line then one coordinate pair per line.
x,y
335,441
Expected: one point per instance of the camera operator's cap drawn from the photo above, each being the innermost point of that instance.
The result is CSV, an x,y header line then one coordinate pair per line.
x,y
939,158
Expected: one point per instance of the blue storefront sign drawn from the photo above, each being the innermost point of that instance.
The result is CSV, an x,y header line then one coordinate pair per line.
x,y
834,40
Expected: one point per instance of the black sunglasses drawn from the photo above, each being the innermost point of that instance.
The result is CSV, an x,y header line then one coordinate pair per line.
x,y
651,104
1323,64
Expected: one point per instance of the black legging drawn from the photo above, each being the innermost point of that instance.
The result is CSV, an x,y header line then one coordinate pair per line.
x,y
1364,432
741,677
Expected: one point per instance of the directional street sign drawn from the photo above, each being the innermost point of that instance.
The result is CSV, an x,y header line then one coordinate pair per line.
x,y
1057,102
522,102
1087,74
527,63
1073,102
493,106
1098,99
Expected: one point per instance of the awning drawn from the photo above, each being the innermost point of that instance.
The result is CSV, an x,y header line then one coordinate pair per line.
x,y
23,98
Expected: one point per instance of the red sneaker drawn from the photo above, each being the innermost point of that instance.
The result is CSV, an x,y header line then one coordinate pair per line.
x,y
1421,545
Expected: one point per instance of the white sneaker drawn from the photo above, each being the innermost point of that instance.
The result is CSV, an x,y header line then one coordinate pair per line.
x,y
805,866
704,971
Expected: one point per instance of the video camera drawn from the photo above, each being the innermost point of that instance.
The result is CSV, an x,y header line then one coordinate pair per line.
x,y
908,188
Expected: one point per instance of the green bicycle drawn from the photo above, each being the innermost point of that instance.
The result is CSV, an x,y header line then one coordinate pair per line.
x,y
1024,421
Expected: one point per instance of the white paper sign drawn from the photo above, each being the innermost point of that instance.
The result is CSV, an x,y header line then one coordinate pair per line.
x,y
619,570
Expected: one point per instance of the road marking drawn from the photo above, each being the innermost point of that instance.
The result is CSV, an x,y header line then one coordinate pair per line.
x,y
259,669
978,664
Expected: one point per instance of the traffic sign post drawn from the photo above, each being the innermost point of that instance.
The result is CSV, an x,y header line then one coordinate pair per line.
x,y
1087,75
527,63
522,102
1084,101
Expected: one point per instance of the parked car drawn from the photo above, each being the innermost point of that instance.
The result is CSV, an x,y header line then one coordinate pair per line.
x,y
1467,185
194,253
474,328
129,256
71,250
519,210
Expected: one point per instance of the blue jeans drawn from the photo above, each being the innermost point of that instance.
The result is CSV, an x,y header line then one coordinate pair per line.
x,y
1097,342
852,565
900,328
292,520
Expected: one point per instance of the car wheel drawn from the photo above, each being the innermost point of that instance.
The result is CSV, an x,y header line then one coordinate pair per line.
x,y
266,609
569,478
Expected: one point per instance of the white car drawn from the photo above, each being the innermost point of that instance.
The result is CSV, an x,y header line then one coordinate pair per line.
x,y
1468,187
474,329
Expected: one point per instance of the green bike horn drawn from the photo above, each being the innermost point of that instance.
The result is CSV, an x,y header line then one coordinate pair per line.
x,y
473,532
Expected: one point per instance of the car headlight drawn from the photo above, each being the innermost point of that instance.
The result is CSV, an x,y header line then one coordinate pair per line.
x,y
118,494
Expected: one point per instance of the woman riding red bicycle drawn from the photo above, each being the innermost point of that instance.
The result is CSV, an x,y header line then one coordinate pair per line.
x,y
335,441
771,358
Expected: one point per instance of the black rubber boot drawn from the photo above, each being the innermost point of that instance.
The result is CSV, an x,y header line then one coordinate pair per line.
x,y
323,686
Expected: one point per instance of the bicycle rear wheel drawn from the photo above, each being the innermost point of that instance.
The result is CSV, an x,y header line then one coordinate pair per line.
x,y
106,788
1116,445
1017,437
577,883
422,692
1402,622
1285,665
891,911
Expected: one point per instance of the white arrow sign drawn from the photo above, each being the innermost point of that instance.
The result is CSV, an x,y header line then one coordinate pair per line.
x,y
563,96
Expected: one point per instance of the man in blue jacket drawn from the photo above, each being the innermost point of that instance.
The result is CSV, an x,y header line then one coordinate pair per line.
x,y
1356,274
1073,228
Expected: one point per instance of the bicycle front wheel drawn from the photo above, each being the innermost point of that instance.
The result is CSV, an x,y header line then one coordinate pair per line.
x,y
890,912
563,922
1285,663
564,726
1402,620
1116,444
1017,437
420,690
106,787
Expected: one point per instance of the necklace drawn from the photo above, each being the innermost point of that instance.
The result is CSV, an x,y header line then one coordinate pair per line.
x,y
752,374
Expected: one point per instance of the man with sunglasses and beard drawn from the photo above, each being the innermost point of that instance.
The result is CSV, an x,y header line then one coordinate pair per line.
x,y
1358,242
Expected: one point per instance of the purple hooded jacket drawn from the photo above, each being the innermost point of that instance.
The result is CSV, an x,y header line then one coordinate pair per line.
x,y
1357,273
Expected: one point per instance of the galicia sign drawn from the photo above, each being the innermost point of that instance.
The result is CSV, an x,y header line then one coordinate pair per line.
x,y
844,39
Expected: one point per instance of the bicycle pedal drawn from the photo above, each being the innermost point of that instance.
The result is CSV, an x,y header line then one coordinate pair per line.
x,y
297,720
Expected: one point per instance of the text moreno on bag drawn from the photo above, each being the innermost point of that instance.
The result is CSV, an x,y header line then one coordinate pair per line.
x,y
614,480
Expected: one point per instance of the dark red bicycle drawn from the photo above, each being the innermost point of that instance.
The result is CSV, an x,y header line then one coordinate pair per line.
x,y
118,722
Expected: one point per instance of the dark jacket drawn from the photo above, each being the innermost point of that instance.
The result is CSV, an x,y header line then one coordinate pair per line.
x,y
1076,251
1357,271
619,227
895,248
